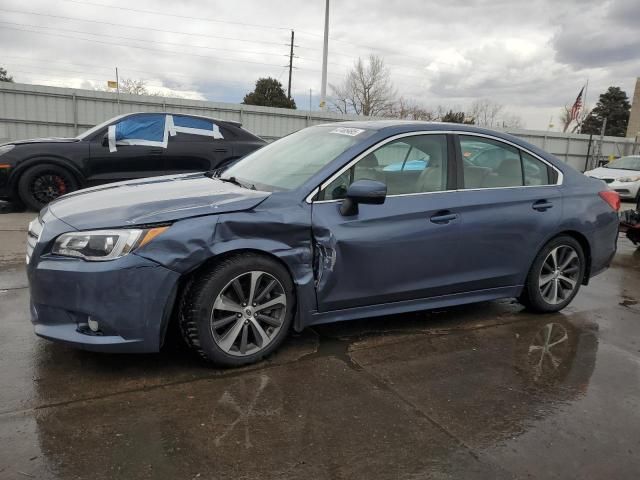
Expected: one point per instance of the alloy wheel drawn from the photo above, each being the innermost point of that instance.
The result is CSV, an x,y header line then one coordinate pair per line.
x,y
558,277
48,187
248,313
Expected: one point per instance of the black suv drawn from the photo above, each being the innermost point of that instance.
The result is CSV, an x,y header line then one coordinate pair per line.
x,y
126,147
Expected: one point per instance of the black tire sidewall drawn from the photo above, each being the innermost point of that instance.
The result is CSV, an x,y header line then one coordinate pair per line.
x,y
27,178
209,288
533,296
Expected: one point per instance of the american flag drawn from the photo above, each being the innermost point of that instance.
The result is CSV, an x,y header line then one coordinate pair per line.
x,y
575,110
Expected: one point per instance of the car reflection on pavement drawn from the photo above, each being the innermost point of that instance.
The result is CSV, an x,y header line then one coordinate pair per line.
x,y
486,381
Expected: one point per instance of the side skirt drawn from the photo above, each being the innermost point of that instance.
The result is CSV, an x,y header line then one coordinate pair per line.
x,y
316,318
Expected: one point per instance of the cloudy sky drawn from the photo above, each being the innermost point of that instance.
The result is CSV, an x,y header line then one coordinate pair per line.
x,y
532,56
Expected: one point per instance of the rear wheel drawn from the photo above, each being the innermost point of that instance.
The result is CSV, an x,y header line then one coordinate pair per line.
x,y
555,276
42,184
239,311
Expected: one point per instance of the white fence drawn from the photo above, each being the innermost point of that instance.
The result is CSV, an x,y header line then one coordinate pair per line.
x,y
28,111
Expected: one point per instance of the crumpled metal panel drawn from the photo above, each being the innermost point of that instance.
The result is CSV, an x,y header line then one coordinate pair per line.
x,y
280,231
152,200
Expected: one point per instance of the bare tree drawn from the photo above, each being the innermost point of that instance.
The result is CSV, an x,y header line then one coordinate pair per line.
x,y
366,90
133,87
485,112
565,118
4,76
510,120
409,110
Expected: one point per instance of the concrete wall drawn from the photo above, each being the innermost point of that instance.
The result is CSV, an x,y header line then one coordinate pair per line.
x,y
28,111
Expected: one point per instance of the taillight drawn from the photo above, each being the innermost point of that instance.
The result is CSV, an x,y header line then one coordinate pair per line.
x,y
612,198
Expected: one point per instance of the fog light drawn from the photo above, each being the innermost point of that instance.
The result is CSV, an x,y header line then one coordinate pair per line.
x,y
93,324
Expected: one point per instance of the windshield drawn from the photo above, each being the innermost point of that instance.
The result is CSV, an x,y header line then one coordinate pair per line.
x,y
288,163
100,126
625,163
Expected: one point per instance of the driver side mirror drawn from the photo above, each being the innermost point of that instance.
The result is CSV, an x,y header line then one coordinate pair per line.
x,y
105,140
369,192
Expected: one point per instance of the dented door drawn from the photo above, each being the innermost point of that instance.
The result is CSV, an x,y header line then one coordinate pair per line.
x,y
386,253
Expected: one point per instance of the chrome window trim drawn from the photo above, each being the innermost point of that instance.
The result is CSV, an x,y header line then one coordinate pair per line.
x,y
378,145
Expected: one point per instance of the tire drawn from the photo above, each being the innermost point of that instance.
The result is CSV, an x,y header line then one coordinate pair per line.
x,y
242,335
42,184
544,280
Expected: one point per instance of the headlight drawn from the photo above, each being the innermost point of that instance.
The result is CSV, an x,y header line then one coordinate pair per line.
x,y
6,148
103,245
629,179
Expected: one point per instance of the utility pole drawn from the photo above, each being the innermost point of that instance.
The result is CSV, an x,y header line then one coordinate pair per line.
x,y
290,66
598,157
118,89
325,54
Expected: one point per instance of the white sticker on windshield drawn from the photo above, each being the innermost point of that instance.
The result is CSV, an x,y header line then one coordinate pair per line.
x,y
352,132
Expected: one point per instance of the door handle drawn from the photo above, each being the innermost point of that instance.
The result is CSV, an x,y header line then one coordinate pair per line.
x,y
156,151
542,205
443,217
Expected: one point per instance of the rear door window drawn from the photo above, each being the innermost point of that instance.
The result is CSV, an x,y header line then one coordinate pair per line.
x,y
491,164
535,171
202,127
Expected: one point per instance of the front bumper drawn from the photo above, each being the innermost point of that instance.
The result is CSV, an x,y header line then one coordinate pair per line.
x,y
626,190
131,298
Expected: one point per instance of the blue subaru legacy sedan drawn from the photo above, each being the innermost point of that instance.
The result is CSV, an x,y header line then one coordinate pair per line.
x,y
314,228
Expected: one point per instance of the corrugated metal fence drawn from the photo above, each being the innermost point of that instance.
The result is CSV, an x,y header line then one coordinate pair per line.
x,y
28,111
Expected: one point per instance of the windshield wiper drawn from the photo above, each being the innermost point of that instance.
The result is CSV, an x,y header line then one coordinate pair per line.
x,y
216,174
233,180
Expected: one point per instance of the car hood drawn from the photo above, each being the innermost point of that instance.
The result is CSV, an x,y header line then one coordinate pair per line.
x,y
44,140
602,172
152,200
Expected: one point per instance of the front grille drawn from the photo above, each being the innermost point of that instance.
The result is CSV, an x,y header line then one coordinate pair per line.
x,y
33,236
608,180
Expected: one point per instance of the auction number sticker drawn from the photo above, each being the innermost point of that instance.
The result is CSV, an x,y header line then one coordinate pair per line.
x,y
352,132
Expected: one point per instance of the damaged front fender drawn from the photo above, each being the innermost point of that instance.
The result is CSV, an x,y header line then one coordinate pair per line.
x,y
284,233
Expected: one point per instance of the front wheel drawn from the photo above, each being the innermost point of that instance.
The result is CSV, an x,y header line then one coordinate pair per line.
x,y
42,184
555,276
239,311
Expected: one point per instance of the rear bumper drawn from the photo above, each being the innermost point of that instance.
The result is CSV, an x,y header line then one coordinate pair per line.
x,y
627,191
131,299
604,244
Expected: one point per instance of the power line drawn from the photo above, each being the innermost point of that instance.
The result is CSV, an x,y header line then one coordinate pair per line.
x,y
161,30
174,15
217,37
252,52
122,68
171,52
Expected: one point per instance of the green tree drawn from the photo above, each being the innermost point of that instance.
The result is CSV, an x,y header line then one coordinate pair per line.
x,y
456,117
615,107
4,76
269,93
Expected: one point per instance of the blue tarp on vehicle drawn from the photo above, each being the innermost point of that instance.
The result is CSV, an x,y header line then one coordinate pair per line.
x,y
154,129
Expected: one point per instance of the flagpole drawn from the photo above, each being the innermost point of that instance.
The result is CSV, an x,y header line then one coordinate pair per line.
x,y
586,90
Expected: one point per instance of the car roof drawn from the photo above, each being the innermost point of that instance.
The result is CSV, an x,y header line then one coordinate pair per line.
x,y
230,122
394,127
411,125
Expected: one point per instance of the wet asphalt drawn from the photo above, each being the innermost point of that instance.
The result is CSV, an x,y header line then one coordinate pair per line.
x,y
481,391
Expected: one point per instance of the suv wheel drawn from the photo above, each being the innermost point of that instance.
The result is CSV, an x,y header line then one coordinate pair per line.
x,y
42,184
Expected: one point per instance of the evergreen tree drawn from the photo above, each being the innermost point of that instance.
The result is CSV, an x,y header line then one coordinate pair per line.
x,y
269,93
615,107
